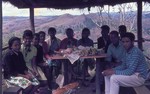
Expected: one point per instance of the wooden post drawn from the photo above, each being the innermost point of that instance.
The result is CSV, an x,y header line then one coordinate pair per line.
x,y
1,45
32,19
139,24
98,77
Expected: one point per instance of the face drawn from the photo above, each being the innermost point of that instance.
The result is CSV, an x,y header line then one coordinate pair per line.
x,y
52,34
121,32
114,39
104,33
16,45
42,37
27,41
35,40
85,34
69,34
127,43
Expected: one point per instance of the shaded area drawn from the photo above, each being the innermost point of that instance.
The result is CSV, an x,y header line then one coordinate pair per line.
x,y
66,4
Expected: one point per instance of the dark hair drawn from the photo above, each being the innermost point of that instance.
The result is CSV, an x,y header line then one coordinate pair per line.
x,y
86,30
27,33
68,30
42,32
123,27
11,41
115,33
105,27
129,35
36,35
51,29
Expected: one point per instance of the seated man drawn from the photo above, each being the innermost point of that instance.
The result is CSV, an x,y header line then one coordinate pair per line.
x,y
29,52
40,63
103,43
85,41
115,50
53,45
104,40
131,73
43,43
69,42
122,30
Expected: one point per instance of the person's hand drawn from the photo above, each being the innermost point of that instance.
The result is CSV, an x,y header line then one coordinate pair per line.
x,y
108,72
27,77
30,76
44,64
35,73
57,52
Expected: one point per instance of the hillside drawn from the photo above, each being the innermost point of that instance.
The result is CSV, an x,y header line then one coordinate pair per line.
x,y
14,26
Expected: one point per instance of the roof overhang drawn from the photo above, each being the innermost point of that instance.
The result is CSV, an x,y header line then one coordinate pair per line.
x,y
66,4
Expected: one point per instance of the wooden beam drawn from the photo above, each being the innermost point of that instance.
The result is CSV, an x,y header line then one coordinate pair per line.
x,y
24,3
1,44
32,20
139,24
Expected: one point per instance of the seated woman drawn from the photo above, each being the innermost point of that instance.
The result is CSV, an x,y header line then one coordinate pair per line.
x,y
14,63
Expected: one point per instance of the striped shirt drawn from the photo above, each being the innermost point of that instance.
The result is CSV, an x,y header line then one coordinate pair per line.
x,y
133,62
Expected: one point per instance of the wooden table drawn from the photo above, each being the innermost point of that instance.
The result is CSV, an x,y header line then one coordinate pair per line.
x,y
98,76
56,57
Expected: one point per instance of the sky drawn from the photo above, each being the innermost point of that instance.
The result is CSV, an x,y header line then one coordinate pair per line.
x,y
10,10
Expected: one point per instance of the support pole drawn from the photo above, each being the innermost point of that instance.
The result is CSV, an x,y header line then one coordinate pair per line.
x,y
1,45
98,77
32,19
139,24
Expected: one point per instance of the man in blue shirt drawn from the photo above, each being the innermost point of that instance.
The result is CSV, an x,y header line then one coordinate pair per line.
x,y
131,73
53,45
115,50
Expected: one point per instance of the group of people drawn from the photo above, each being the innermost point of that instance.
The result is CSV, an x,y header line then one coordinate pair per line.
x,y
124,65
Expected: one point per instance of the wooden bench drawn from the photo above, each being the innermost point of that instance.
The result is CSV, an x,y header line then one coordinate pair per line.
x,y
145,88
12,90
126,90
9,90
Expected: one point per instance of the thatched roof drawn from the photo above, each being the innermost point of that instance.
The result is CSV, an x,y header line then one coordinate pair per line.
x,y
66,4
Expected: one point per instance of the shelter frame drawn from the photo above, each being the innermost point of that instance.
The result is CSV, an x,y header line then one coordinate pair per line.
x,y
139,35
